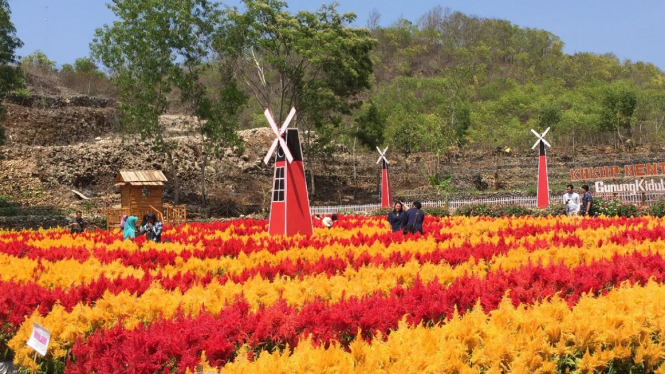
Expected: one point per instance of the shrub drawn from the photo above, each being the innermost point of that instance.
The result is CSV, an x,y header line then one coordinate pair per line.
x,y
552,210
475,210
4,201
658,208
609,208
437,212
489,210
383,212
628,210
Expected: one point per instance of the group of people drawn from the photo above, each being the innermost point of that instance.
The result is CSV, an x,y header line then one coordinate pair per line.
x,y
151,227
409,222
572,201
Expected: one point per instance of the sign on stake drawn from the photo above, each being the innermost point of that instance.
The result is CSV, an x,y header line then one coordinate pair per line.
x,y
39,339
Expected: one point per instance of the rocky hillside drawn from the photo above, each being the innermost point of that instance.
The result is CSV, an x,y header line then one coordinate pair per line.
x,y
56,145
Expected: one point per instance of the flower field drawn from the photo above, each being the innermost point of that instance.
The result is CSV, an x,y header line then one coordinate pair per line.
x,y
472,295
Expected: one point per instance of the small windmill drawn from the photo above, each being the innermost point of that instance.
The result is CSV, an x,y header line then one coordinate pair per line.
x,y
289,210
543,183
386,192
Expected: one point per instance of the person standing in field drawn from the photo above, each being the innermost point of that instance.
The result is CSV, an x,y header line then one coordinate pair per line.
x,y
414,219
572,201
129,231
397,217
587,201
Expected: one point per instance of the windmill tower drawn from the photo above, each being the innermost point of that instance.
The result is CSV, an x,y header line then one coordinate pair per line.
x,y
386,192
543,183
289,210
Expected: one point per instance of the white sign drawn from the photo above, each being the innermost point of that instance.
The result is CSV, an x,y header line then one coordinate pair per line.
x,y
639,185
39,339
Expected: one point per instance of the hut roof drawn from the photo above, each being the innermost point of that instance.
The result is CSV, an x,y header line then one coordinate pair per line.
x,y
140,178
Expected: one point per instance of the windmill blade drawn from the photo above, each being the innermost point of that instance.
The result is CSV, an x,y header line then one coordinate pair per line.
x,y
266,160
272,123
535,145
535,133
285,148
288,120
546,143
543,135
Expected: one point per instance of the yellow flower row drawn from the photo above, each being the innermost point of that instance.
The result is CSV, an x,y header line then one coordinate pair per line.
x,y
625,326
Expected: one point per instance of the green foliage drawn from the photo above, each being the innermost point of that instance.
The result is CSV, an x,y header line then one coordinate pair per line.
x,y
10,76
313,61
437,212
491,210
67,68
383,212
38,60
371,125
609,208
442,184
85,65
553,210
23,93
619,104
614,208
658,208
628,210
454,78
5,201
146,56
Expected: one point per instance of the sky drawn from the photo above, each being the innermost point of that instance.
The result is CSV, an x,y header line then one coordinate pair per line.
x,y
633,30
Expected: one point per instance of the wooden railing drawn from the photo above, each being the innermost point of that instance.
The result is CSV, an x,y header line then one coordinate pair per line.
x,y
175,214
114,216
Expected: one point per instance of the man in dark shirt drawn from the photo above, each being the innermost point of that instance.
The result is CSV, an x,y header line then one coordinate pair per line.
x,y
414,219
587,202
77,225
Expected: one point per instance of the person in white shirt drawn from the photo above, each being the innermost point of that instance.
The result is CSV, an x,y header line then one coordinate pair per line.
x,y
572,201
327,221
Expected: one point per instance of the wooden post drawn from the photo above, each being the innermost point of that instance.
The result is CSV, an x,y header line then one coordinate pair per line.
x,y
644,199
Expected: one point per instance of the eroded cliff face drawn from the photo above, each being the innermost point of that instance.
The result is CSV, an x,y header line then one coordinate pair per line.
x,y
58,144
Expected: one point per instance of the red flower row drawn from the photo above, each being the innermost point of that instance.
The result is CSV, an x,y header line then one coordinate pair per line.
x,y
178,343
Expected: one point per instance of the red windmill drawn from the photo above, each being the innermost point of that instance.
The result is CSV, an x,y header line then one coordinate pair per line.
x,y
543,183
386,192
289,210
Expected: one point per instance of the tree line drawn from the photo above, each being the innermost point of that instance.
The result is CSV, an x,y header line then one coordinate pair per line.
x,y
445,82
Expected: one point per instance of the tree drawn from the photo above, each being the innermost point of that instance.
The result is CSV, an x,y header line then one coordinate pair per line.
x,y
67,68
10,75
619,103
38,60
371,126
85,65
312,61
158,46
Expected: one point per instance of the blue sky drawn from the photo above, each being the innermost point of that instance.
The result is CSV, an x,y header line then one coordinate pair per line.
x,y
630,29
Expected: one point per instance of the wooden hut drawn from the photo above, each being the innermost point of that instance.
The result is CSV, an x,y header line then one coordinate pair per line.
x,y
141,192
